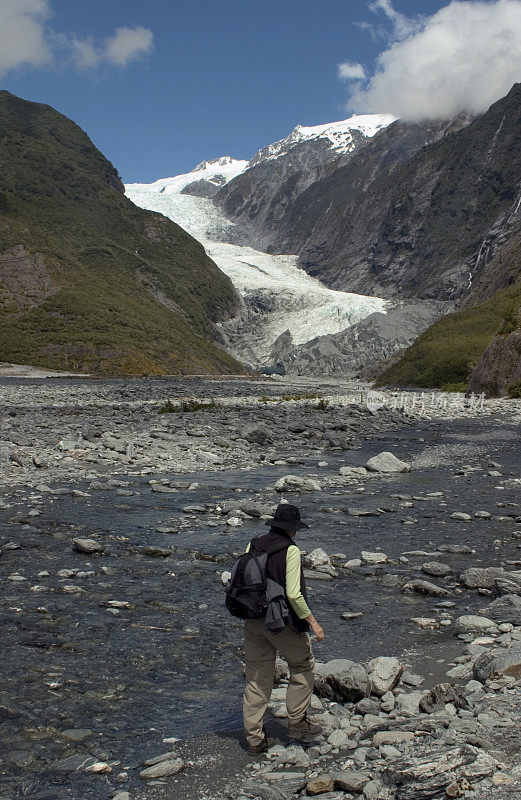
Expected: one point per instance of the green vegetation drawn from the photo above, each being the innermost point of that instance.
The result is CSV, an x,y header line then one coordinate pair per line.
x,y
102,286
514,390
186,406
454,387
447,352
286,398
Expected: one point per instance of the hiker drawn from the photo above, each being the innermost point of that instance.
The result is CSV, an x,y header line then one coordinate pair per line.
x,y
293,642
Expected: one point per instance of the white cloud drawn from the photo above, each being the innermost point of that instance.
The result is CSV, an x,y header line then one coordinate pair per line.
x,y
22,36
128,44
463,58
26,39
351,72
402,25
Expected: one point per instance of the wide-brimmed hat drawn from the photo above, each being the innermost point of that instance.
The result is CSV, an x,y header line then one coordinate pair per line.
x,y
287,517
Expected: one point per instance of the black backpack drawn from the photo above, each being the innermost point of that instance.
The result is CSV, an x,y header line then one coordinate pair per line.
x,y
252,594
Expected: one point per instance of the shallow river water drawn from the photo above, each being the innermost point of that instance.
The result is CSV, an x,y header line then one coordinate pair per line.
x,y
167,663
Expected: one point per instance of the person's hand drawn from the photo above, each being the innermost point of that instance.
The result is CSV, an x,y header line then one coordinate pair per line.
x,y
318,631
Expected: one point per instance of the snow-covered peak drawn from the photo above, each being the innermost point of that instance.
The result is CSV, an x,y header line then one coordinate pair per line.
x,y
338,134
217,171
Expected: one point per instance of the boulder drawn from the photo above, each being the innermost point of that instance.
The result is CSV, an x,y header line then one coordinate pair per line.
x,y
162,769
256,434
342,680
373,558
436,568
509,582
320,784
387,462
430,773
317,558
440,694
294,483
88,546
425,587
505,609
350,781
472,623
477,578
384,674
408,705
498,664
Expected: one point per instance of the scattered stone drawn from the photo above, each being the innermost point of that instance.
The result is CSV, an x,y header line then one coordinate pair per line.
x,y
439,695
425,587
384,674
88,546
387,462
461,516
436,569
374,558
342,680
162,769
498,664
293,483
474,623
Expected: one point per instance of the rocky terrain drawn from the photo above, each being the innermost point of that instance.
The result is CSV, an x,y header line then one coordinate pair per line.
x,y
121,676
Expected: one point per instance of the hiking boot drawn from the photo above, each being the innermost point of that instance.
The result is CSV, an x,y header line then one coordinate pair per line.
x,y
258,749
303,729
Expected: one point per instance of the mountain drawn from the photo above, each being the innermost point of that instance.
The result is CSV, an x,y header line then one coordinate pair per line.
x,y
262,196
88,281
447,354
275,294
426,227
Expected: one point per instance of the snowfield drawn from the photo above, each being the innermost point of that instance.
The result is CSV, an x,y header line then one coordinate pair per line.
x,y
278,295
339,135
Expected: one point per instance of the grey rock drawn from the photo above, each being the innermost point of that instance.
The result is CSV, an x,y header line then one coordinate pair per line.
x,y
436,568
88,546
351,780
342,680
384,674
387,462
294,483
505,609
498,664
430,772
425,587
474,623
477,578
441,694
162,769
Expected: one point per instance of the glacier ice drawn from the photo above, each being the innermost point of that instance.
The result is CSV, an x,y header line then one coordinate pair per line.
x,y
278,295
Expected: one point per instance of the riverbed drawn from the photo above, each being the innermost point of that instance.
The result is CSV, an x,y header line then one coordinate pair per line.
x,y
131,645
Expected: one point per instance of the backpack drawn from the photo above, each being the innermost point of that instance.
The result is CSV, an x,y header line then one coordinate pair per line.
x,y
251,594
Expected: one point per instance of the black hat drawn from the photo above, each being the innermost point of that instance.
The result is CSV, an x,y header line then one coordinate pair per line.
x,y
287,517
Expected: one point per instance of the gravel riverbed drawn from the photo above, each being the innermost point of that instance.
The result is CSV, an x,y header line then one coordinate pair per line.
x,y
116,522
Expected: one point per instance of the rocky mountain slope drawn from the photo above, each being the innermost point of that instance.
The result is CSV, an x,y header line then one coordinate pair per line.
x,y
88,281
284,309
276,295
262,196
425,228
446,353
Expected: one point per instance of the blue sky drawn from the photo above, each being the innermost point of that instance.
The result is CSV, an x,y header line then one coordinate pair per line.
x,y
224,77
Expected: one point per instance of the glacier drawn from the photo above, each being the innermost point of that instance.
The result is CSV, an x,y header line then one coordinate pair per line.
x,y
277,295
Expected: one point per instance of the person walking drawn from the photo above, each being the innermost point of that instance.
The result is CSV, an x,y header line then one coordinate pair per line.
x,y
293,643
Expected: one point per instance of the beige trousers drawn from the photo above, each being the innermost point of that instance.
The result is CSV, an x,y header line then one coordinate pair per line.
x,y
260,650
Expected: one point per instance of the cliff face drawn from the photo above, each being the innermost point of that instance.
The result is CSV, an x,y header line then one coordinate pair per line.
x,y
498,372
427,227
88,281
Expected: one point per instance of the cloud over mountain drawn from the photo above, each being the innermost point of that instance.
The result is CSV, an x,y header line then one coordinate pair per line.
x,y
462,58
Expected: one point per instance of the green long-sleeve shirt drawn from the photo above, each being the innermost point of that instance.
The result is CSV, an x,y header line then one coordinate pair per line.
x,y
294,595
